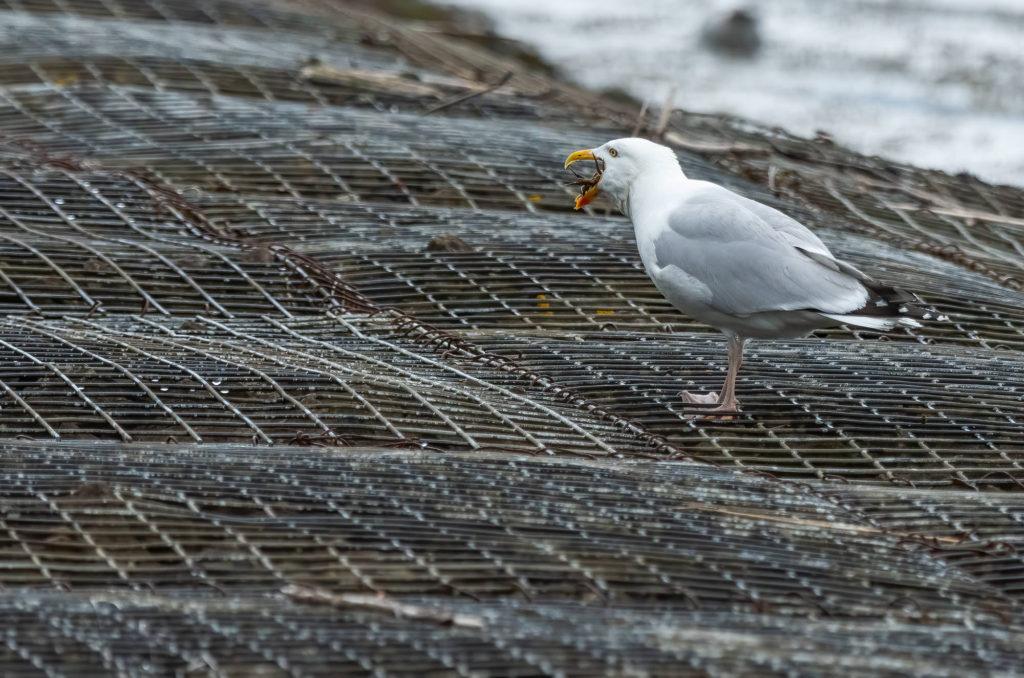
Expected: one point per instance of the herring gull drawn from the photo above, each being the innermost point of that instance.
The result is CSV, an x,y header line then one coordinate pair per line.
x,y
731,262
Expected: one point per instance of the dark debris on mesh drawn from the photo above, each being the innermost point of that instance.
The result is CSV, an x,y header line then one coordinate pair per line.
x,y
264,323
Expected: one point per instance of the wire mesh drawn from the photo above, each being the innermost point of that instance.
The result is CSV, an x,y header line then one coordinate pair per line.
x,y
261,637
675,547
266,324
176,517
233,145
838,414
267,382
91,240
87,243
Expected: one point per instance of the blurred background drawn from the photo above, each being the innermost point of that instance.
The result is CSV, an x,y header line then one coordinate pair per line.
x,y
938,83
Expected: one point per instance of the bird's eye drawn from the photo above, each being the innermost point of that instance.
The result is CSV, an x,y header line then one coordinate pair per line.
x,y
612,152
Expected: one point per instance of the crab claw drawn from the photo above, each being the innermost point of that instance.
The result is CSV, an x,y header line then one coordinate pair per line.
x,y
588,189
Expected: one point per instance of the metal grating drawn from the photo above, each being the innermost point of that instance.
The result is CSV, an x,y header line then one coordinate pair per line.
x,y
267,325
233,145
659,549
265,381
556,273
573,275
110,243
315,83
167,518
828,414
96,244
259,637
88,240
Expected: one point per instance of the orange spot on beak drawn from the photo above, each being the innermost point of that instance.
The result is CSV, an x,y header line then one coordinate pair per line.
x,y
587,197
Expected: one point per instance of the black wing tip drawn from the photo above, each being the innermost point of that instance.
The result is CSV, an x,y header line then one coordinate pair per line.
x,y
889,301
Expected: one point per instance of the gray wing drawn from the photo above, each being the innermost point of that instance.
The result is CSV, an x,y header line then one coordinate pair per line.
x,y
747,265
798,235
794,231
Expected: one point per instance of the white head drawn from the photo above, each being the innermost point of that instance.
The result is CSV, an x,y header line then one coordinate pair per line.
x,y
620,163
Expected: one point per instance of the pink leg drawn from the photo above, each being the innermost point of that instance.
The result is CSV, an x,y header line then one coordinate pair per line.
x,y
726,400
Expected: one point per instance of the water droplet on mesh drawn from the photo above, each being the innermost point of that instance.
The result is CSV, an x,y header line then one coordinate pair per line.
x,y
120,205
216,382
163,388
59,201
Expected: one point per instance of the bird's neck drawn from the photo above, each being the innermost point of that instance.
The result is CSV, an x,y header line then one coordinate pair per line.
x,y
653,191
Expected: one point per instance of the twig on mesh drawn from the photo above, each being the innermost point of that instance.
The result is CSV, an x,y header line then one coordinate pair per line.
x,y
640,119
304,439
665,113
1003,473
810,600
356,601
710,148
903,600
466,97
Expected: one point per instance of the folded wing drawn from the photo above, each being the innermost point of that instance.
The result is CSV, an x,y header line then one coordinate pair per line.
x,y
750,266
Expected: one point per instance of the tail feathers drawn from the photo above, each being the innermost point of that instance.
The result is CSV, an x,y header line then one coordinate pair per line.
x,y
879,323
887,300
887,308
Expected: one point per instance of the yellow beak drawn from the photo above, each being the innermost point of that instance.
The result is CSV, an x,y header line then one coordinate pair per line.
x,y
587,154
592,192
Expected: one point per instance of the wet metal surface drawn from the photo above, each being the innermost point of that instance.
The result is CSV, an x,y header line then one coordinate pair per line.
x,y
266,326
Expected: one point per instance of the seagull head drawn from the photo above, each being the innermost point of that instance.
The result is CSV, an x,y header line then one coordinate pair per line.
x,y
618,164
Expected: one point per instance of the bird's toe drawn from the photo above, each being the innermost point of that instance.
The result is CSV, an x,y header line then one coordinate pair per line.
x,y
699,398
723,411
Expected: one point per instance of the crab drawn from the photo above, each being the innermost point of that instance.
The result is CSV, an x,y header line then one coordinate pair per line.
x,y
587,184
